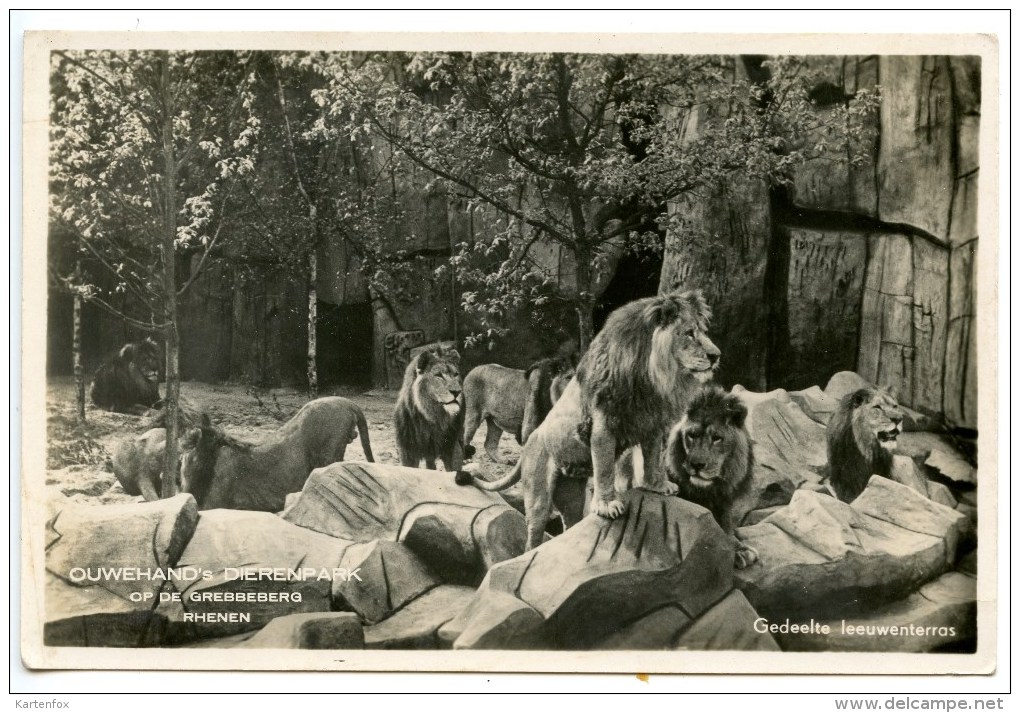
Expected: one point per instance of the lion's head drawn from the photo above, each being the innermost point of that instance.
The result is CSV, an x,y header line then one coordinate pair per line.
x,y
709,450
143,356
678,324
437,384
876,420
645,363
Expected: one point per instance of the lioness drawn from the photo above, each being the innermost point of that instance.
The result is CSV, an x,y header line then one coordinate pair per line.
x,y
429,415
509,400
632,384
710,457
224,472
138,463
861,437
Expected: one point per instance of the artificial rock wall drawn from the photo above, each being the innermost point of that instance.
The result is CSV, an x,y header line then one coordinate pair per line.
x,y
867,268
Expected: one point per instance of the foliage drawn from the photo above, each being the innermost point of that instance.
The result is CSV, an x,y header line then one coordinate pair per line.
x,y
580,151
107,182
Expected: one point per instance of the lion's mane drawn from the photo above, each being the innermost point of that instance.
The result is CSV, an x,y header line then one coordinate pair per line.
x,y
425,430
638,394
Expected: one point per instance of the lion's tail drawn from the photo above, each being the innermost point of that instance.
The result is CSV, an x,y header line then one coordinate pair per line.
x,y
366,446
465,478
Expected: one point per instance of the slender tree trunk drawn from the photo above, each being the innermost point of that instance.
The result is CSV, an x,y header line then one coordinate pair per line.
x,y
313,320
168,487
585,304
79,366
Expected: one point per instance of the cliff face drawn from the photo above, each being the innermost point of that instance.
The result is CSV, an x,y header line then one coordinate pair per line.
x,y
868,268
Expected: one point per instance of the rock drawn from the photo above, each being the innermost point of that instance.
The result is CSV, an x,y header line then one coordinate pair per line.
x,y
788,446
822,557
297,566
906,472
390,576
316,630
883,500
727,626
919,444
460,531
657,630
814,402
777,424
288,503
416,626
94,556
584,582
952,466
941,614
503,622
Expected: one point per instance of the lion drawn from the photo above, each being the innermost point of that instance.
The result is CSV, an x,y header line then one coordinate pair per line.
x,y
710,457
429,416
510,400
129,382
138,463
224,472
861,437
631,385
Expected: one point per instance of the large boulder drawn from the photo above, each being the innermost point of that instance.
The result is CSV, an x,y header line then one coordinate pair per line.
x,y
600,575
254,568
727,626
416,626
107,567
458,531
825,557
788,444
390,577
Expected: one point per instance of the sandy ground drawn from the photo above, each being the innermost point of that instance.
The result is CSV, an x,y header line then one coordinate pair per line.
x,y
77,456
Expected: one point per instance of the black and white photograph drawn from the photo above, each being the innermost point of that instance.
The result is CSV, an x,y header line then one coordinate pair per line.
x,y
516,355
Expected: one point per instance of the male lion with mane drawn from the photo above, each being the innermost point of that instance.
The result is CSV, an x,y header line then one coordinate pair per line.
x,y
129,382
710,457
861,437
632,384
429,415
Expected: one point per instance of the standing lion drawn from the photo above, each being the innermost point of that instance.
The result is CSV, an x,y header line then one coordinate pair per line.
x,y
429,415
632,384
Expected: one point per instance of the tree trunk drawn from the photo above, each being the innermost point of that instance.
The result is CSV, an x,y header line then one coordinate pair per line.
x,y
168,486
585,304
313,320
79,366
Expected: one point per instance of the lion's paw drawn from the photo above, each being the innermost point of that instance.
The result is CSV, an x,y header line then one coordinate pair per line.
x,y
745,556
668,488
610,508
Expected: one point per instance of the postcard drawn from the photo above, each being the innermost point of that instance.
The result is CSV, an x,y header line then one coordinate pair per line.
x,y
514,353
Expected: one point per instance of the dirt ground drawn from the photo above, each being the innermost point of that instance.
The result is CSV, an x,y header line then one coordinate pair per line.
x,y
77,456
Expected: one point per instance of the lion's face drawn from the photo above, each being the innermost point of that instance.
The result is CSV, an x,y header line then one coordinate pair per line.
x,y
438,380
876,418
683,344
145,358
708,451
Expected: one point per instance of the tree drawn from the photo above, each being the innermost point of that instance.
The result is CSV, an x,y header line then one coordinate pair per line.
x,y
584,151
145,148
